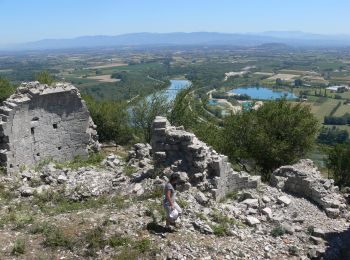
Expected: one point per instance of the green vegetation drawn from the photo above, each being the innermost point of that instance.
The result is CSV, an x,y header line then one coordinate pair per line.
x,y
19,247
311,230
6,89
278,231
145,111
339,164
44,77
222,228
332,136
94,159
276,134
53,203
112,120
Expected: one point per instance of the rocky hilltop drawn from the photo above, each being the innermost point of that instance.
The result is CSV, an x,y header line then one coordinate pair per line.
x,y
112,208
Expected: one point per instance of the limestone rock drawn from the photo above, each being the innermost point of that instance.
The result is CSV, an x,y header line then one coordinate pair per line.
x,y
304,179
267,212
253,203
201,198
203,228
252,221
285,200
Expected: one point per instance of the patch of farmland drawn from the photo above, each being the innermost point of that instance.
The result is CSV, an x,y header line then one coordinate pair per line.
x,y
287,77
104,78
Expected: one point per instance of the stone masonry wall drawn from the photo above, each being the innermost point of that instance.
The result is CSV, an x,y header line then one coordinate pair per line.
x,y
304,179
182,152
40,122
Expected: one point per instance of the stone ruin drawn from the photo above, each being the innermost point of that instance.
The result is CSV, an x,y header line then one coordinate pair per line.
x,y
303,179
41,122
196,163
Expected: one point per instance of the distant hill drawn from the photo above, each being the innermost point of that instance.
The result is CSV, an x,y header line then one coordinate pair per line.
x,y
180,38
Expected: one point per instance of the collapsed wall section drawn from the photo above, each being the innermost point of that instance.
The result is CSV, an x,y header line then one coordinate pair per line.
x,y
304,179
204,168
41,122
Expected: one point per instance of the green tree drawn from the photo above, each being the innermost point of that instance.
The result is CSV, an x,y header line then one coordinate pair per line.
x,y
298,82
278,133
44,77
181,114
339,164
6,89
279,82
145,111
111,119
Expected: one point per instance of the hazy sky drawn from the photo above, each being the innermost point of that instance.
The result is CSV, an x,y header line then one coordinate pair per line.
x,y
28,20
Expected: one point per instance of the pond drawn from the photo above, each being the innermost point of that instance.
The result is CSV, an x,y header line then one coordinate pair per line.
x,y
263,93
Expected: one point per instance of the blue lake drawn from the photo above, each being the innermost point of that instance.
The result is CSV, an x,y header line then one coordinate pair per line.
x,y
175,86
263,93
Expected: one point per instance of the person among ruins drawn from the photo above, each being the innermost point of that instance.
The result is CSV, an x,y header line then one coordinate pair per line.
x,y
173,210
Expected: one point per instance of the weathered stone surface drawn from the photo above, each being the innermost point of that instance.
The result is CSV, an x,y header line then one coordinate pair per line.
x,y
267,212
201,198
253,203
284,200
40,122
176,150
304,179
252,221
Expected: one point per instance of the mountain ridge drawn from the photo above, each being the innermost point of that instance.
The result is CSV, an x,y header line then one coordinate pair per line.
x,y
292,38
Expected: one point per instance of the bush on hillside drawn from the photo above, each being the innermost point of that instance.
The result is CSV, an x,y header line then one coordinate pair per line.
x,y
277,134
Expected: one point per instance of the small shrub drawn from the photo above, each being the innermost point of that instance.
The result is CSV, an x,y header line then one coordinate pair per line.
x,y
42,163
2,170
182,203
155,210
129,170
310,230
118,240
201,216
18,219
55,237
154,194
277,231
6,194
19,247
35,182
230,196
143,245
38,228
220,230
119,202
95,240
225,220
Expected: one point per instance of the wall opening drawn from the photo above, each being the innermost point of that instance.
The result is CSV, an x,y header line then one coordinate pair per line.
x,y
54,126
32,130
35,118
59,148
38,154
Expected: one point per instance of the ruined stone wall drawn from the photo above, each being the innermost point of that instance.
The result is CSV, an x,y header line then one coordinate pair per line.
x,y
182,152
40,122
304,179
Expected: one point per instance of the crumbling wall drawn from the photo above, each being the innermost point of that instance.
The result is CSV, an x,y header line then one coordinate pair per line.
x,y
41,122
304,179
196,162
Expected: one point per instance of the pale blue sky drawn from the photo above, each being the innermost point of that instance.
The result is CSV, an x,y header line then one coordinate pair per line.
x,y
28,20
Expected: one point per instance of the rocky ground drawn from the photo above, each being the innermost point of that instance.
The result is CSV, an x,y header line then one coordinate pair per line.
x,y
112,210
